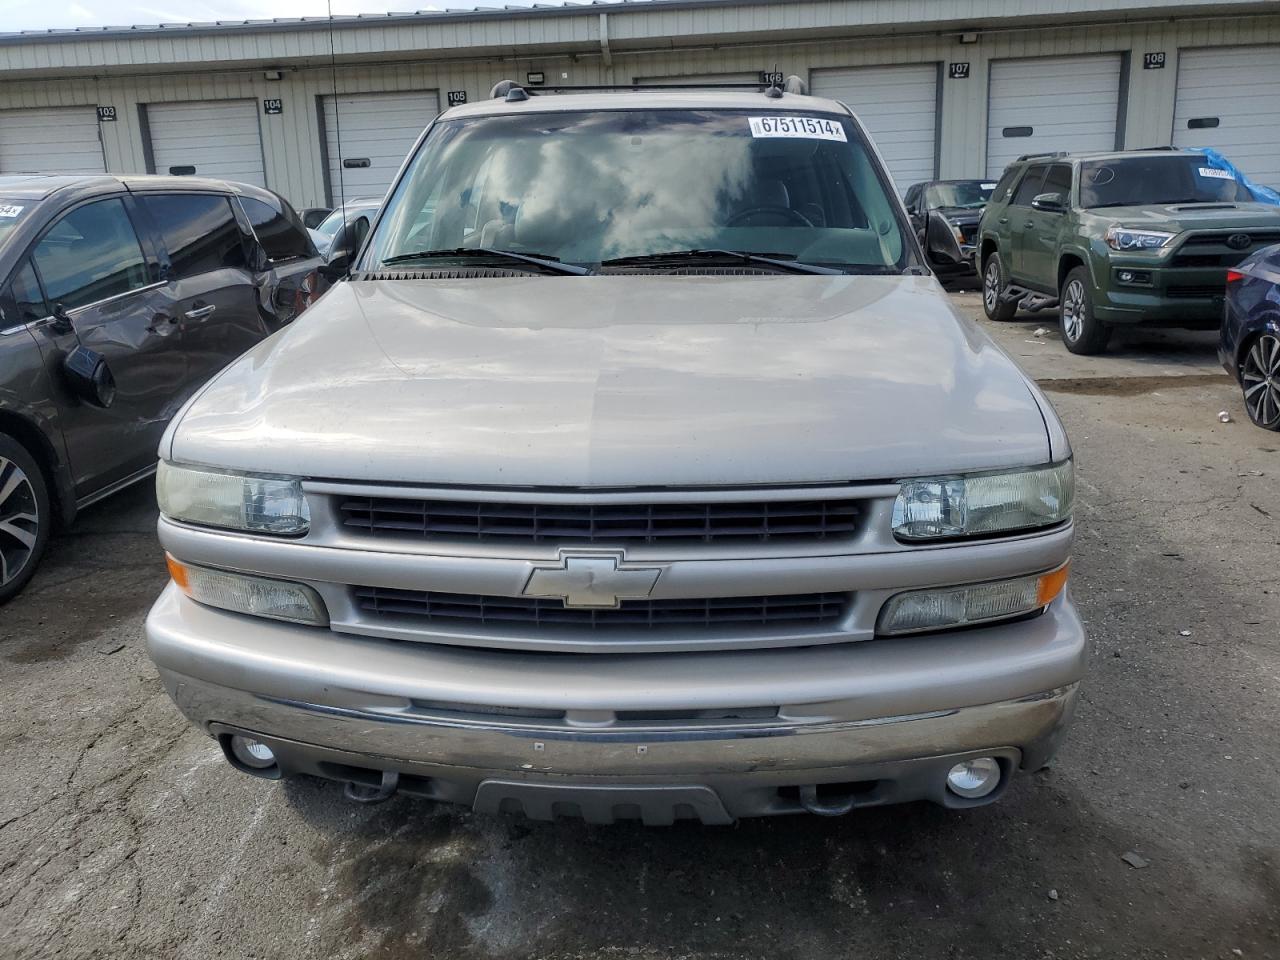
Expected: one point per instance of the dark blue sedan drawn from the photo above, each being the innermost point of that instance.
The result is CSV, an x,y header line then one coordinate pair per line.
x,y
1250,347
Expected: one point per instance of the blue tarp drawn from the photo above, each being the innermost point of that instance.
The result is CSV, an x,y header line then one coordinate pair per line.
x,y
1219,162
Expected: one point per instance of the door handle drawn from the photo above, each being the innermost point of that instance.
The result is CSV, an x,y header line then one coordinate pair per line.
x,y
199,313
1029,225
1004,219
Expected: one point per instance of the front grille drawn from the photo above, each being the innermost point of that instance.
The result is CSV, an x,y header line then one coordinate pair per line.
x,y
1209,259
1190,291
1258,238
793,610
598,523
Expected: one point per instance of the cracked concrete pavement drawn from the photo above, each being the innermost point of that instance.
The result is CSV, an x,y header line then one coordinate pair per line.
x,y
123,834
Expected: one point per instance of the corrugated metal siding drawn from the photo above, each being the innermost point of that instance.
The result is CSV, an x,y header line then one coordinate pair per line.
x,y
292,140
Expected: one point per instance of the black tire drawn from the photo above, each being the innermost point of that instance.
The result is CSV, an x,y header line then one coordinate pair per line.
x,y
1082,331
25,516
994,283
1260,381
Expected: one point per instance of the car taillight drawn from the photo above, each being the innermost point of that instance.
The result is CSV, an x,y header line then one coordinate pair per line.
x,y
1234,276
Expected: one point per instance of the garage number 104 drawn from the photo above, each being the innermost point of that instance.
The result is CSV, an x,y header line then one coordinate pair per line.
x,y
809,128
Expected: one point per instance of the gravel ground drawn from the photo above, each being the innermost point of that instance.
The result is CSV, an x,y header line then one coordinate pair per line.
x,y
123,833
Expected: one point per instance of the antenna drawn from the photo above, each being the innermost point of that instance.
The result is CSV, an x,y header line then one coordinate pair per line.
x,y
337,131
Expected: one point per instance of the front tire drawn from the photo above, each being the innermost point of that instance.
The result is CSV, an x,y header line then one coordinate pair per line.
x,y
1260,380
25,516
994,283
1082,331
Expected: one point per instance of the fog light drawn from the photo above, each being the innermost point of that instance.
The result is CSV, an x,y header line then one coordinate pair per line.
x,y
1126,276
974,778
253,753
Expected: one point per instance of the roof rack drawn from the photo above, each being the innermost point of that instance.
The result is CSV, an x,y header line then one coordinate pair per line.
x,y
512,91
1146,149
1054,155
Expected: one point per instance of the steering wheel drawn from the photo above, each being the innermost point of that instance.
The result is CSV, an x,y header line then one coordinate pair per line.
x,y
795,216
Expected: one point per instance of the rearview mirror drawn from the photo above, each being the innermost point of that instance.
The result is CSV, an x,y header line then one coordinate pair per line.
x,y
941,248
1049,202
89,377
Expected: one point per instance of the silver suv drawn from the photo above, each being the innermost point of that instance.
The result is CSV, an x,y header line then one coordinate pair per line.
x,y
641,469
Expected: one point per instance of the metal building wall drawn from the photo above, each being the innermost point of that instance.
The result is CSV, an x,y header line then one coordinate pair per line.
x,y
295,156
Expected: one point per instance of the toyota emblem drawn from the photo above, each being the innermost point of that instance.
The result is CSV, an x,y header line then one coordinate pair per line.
x,y
1238,241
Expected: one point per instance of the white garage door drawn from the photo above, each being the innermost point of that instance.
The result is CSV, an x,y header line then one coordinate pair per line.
x,y
377,130
207,138
51,140
1229,99
898,106
1051,104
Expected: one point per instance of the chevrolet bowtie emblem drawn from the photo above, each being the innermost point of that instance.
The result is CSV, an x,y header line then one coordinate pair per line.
x,y
598,580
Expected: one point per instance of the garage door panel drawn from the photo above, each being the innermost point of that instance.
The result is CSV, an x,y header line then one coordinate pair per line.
x,y
898,105
701,78
1240,86
1028,95
378,127
51,140
219,138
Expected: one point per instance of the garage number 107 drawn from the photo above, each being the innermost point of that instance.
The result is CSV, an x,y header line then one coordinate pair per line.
x,y
808,128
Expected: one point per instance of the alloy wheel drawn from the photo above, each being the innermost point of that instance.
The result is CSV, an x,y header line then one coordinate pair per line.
x,y
1073,311
1260,377
19,520
991,286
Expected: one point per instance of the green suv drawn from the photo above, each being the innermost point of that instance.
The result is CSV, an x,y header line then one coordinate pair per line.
x,y
1143,236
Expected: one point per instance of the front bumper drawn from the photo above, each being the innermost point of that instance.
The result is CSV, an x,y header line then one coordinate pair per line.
x,y
1173,296
629,735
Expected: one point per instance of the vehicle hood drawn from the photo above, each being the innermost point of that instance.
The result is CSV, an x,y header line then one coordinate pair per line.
x,y
1195,216
620,381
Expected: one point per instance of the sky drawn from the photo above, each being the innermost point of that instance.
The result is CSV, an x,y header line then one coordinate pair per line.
x,y
42,15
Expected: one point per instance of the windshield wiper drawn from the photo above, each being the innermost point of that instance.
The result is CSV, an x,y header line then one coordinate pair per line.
x,y
459,253
794,266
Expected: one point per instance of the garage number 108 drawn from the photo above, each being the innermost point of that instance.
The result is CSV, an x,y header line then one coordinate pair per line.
x,y
809,128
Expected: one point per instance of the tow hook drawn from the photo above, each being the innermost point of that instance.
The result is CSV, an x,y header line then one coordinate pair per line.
x,y
832,808
363,793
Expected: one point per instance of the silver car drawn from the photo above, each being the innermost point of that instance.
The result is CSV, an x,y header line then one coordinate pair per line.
x,y
641,469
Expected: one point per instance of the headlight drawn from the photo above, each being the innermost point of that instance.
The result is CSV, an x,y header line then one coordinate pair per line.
x,y
1120,238
256,596
232,501
922,610
983,504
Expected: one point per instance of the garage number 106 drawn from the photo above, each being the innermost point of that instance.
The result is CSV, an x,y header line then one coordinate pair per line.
x,y
809,128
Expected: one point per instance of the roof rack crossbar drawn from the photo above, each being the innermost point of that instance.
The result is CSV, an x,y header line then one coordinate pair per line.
x,y
1050,155
503,88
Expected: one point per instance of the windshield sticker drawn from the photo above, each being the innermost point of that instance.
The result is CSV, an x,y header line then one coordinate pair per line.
x,y
1217,174
9,211
805,128
988,186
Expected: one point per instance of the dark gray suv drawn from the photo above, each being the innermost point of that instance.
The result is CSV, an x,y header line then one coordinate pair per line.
x,y
118,298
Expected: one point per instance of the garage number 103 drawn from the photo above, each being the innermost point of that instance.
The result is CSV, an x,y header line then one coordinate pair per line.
x,y
811,128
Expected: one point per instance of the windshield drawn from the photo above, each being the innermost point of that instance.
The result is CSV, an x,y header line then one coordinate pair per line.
x,y
965,194
331,224
1136,181
11,212
590,187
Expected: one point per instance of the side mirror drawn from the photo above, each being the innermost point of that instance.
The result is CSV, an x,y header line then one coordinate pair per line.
x,y
941,248
1049,203
89,377
336,267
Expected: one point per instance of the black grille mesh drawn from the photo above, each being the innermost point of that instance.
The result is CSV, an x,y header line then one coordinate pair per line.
x,y
592,523
453,608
